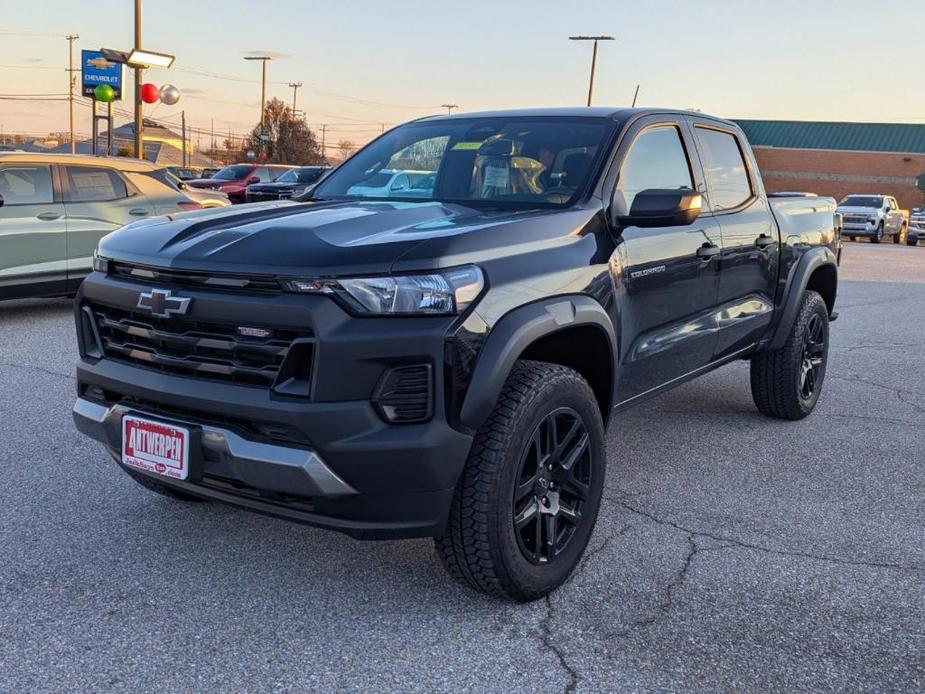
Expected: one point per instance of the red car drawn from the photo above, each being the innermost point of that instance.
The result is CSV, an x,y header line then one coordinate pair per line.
x,y
234,179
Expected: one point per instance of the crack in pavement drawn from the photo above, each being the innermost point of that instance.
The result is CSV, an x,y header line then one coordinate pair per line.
x,y
30,367
875,384
550,644
546,625
734,542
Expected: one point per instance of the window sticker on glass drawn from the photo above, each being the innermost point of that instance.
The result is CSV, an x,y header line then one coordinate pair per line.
x,y
496,177
467,145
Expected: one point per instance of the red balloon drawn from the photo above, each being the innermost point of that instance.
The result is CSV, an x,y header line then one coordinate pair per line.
x,y
149,93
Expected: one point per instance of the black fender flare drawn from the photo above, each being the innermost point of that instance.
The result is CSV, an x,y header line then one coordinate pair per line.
x,y
802,270
517,330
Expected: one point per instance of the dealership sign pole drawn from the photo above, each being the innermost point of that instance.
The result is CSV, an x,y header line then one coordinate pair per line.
x,y
101,80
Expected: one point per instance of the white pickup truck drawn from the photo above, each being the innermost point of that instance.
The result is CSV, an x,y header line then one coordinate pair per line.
x,y
874,216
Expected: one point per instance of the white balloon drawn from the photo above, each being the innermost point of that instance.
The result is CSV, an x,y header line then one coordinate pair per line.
x,y
169,95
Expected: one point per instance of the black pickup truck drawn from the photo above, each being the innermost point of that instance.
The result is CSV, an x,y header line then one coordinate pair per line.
x,y
442,360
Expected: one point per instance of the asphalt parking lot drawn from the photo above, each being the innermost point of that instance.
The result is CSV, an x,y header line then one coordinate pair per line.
x,y
732,551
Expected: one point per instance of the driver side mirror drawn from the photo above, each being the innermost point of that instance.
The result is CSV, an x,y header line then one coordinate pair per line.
x,y
658,207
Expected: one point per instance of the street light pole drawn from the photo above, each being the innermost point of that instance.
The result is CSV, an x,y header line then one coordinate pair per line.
x,y
263,82
139,125
593,58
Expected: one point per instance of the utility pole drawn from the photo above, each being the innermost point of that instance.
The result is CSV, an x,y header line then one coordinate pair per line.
x,y
71,79
212,148
324,156
295,88
139,125
183,134
635,96
593,58
449,107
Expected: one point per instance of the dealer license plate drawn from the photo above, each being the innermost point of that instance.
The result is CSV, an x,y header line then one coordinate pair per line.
x,y
155,447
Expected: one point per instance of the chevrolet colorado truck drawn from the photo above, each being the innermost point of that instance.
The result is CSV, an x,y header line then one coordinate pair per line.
x,y
396,366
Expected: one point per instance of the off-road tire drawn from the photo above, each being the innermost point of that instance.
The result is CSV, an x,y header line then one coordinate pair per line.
x,y
481,547
776,374
158,488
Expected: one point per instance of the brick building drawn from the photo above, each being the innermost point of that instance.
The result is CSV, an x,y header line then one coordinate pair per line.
x,y
836,159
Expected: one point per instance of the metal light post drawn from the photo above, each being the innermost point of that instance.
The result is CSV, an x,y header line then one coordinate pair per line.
x,y
139,125
593,58
264,59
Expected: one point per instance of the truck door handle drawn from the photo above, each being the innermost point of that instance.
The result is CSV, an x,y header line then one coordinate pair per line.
x,y
138,212
708,250
764,241
48,216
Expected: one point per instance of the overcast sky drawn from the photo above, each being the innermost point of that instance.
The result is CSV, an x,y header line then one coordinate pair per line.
x,y
367,63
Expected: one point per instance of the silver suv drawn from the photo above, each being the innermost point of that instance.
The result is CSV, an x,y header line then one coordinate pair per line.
x,y
54,208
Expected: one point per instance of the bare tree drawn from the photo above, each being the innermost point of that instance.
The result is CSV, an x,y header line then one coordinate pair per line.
x,y
346,148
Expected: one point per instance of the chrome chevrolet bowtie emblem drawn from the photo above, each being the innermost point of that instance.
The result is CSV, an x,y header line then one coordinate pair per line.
x,y
162,303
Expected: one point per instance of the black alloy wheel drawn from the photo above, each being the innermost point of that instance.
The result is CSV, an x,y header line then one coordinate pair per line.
x,y
553,482
813,356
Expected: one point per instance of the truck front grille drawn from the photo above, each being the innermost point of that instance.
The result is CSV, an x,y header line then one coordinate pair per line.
x,y
855,219
193,348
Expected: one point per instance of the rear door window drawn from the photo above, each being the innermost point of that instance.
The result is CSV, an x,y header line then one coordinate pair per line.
x,y
724,165
25,184
93,183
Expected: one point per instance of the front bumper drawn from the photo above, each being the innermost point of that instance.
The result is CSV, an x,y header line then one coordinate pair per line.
x,y
916,232
326,457
859,230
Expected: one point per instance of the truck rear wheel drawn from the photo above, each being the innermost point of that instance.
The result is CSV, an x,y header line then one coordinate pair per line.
x,y
786,382
158,488
528,498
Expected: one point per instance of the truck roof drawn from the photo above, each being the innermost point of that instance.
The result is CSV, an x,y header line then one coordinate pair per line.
x,y
615,113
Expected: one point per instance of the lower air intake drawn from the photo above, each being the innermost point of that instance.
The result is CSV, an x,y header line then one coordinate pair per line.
x,y
405,394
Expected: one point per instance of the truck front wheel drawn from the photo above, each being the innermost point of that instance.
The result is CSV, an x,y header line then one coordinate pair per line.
x,y
786,382
527,500
878,234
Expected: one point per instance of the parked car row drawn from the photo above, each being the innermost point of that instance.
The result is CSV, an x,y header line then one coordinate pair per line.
x,y
54,209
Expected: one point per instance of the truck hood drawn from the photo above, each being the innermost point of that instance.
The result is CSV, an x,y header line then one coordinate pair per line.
x,y
287,238
858,210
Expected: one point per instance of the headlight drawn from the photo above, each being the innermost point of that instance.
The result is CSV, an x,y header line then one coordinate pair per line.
x,y
100,264
442,293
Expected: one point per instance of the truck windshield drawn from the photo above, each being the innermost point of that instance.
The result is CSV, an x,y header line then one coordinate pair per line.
x,y
861,201
518,162
233,172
